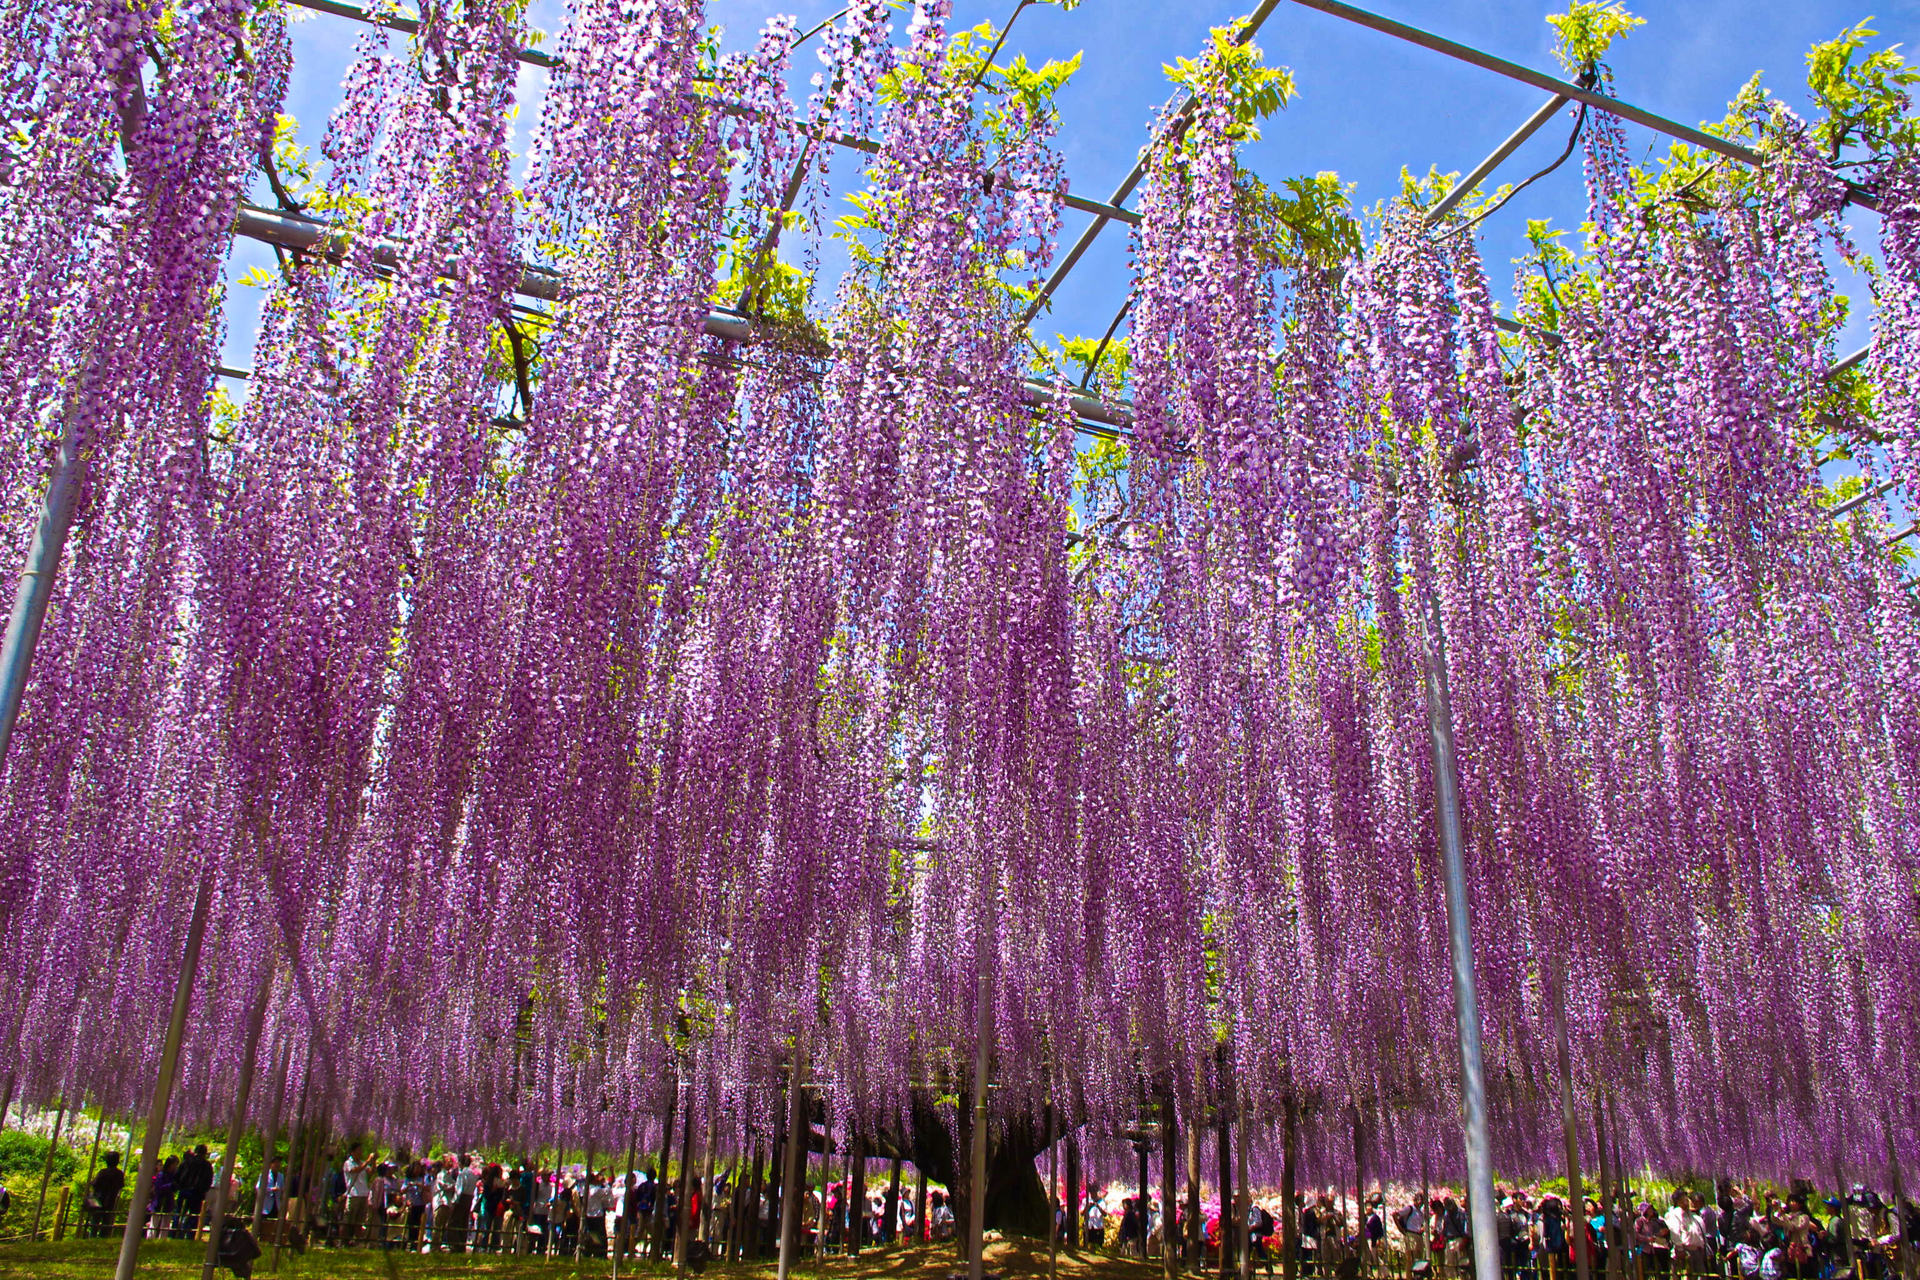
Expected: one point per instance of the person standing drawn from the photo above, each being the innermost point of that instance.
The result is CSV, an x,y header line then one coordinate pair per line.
x,y
466,1183
162,1208
524,1182
191,1185
1510,1229
445,1188
270,1189
1798,1226
540,1222
353,1173
1689,1234
414,1196
594,1242
1453,1233
493,1204
1551,1238
382,1204
1413,1230
104,1195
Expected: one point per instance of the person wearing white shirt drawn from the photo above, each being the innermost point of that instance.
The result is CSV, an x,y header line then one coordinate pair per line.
x,y
594,1227
354,1170
1689,1233
940,1218
1413,1230
466,1180
445,1191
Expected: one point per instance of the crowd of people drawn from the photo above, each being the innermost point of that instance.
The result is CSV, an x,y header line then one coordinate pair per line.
x,y
456,1202
1740,1232
460,1203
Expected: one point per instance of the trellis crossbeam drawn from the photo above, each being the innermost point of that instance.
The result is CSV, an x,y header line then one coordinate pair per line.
x,y
288,231
1563,88
1463,188
535,58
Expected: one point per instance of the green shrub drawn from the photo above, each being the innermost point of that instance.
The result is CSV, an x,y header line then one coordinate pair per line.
x,y
23,1156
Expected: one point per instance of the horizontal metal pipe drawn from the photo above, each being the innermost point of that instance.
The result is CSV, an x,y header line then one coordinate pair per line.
x,y
1860,499
536,58
1112,208
1847,362
532,57
1463,188
288,231
1553,84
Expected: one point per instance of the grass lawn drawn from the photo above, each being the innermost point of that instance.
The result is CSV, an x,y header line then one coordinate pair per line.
x,y
176,1260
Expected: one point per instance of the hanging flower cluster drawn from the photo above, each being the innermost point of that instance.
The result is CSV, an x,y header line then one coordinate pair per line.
x,y
578,712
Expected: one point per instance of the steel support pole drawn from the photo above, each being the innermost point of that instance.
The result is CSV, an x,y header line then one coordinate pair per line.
x,y
163,1084
792,1190
1243,1199
977,1174
1053,1192
1576,1200
46,1173
1903,1252
1170,1237
36,583
1473,1084
1463,188
270,1135
221,1193
1142,1204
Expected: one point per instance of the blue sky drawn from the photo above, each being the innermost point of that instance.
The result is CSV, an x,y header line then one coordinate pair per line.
x,y
1368,104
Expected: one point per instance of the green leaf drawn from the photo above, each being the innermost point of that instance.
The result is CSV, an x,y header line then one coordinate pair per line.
x,y
1864,102
1237,73
1587,29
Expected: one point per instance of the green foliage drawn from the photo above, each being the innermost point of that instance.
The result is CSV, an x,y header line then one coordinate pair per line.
x,y
223,414
1551,271
1110,374
972,54
1105,461
297,174
1422,191
779,289
1587,29
1033,87
1864,98
1253,89
1683,172
1310,226
24,1155
1016,101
